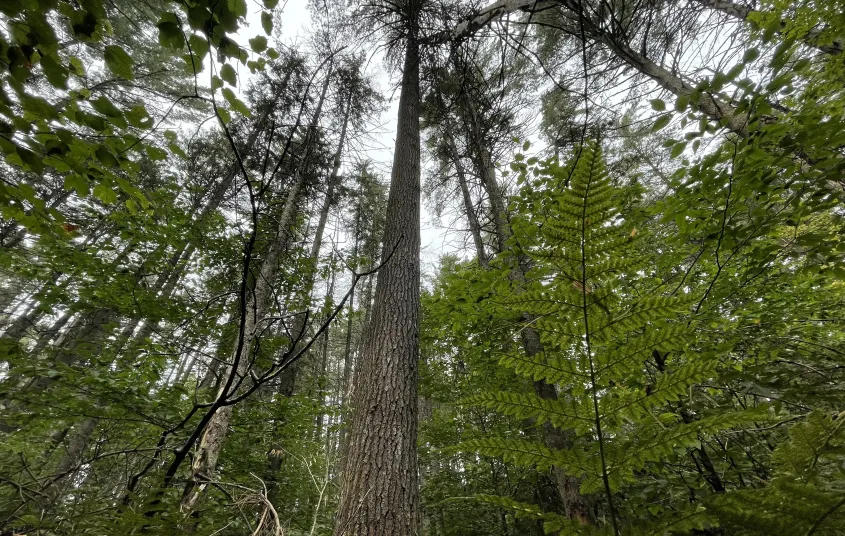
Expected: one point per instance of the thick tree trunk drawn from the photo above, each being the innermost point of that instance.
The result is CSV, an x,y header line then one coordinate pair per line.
x,y
380,489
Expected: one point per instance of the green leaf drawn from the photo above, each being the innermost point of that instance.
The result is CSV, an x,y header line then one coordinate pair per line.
x,y
77,66
119,62
258,43
56,74
227,73
155,153
31,160
661,122
198,17
238,7
199,46
267,22
105,156
170,32
678,149
273,53
224,115
750,55
175,149
104,106
658,105
77,183
235,103
139,117
270,4
105,194
38,107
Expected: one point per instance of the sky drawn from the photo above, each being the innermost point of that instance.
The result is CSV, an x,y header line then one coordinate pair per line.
x,y
295,22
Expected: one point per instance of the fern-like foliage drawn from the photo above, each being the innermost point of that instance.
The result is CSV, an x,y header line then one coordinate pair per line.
x,y
616,352
805,496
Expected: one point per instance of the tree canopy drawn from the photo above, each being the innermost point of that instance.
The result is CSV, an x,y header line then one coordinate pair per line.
x,y
216,316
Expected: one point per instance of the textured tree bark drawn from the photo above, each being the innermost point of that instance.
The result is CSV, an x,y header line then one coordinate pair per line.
x,y
380,489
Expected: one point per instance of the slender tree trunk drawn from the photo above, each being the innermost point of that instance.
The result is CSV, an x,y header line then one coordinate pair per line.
x,y
347,351
257,305
322,382
380,488
487,172
288,377
472,217
77,440
575,506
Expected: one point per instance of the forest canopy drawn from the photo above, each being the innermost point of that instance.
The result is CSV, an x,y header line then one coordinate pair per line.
x,y
218,314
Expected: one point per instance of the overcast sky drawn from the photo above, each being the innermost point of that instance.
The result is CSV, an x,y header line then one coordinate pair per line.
x,y
295,26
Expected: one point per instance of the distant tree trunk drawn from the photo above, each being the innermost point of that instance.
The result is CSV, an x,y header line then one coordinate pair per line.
x,y
347,351
472,217
486,170
324,362
287,379
255,308
573,503
76,441
380,488
166,282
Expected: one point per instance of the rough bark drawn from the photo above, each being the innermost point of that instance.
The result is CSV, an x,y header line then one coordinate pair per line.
x,y
380,489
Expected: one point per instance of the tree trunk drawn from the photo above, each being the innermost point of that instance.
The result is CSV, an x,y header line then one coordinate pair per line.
x,y
255,308
77,441
380,489
472,217
575,506
347,352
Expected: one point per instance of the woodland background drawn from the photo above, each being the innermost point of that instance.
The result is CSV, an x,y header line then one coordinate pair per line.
x,y
215,321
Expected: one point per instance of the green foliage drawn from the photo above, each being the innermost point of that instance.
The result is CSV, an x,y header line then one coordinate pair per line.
x,y
597,329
